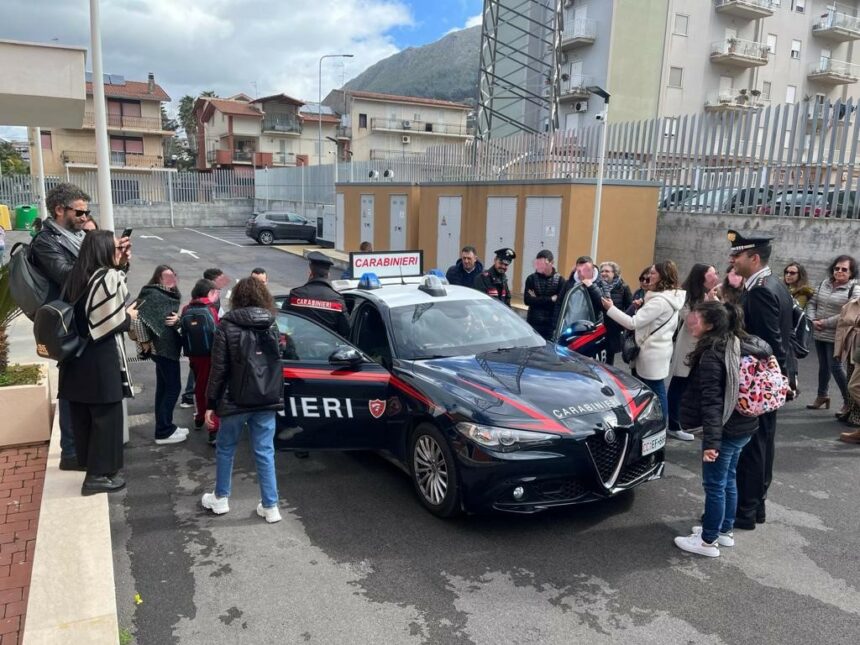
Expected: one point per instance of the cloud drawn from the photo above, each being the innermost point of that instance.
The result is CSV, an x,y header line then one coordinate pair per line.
x,y
224,45
473,21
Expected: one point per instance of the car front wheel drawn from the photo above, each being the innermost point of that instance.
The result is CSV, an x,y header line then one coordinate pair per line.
x,y
266,238
434,471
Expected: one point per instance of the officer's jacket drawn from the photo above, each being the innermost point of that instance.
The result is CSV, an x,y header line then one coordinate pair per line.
x,y
318,301
494,284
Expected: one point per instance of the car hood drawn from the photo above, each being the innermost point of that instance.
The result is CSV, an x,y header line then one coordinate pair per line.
x,y
546,388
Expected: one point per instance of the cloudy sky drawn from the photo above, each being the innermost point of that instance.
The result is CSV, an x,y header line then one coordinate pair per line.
x,y
258,47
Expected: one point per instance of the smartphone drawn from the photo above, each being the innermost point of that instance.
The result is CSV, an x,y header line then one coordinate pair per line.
x,y
139,303
127,232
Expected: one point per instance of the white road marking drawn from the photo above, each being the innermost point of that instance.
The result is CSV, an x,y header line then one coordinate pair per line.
x,y
191,253
220,239
150,237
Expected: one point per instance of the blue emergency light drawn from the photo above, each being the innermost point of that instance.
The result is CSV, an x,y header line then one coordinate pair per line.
x,y
369,281
439,274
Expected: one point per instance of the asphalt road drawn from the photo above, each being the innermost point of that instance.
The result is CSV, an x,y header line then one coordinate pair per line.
x,y
357,559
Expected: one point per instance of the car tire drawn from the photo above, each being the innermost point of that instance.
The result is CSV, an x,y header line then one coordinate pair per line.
x,y
434,471
312,239
266,238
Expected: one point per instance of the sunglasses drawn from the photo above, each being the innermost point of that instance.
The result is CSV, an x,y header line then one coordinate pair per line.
x,y
644,279
841,269
78,212
787,272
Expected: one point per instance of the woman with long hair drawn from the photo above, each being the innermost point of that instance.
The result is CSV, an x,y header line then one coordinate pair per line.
x,y
700,285
732,287
615,288
823,310
246,392
796,279
158,334
654,325
96,382
710,401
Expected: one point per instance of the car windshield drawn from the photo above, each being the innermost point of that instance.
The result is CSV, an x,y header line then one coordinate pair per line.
x,y
458,328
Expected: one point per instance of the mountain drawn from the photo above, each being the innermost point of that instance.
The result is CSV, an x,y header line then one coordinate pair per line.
x,y
446,69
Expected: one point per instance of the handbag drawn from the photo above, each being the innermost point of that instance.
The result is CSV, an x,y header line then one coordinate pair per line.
x,y
629,348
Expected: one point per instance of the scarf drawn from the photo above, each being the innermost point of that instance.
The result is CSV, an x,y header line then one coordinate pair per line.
x,y
74,239
160,303
105,312
607,287
733,363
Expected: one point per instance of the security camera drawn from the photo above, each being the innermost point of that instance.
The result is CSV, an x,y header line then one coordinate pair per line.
x,y
600,116
388,174
373,174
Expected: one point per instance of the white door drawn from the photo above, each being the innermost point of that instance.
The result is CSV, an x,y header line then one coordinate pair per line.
x,y
543,222
397,214
339,219
448,232
366,218
501,226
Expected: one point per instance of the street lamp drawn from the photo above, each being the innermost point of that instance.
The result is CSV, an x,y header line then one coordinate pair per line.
x,y
319,105
598,193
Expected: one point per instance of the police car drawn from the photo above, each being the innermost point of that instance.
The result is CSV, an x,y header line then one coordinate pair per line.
x,y
477,408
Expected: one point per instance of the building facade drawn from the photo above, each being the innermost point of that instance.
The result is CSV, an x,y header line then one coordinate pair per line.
x,y
135,130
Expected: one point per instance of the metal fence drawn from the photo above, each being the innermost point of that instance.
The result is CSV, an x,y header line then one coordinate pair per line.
x,y
737,156
130,188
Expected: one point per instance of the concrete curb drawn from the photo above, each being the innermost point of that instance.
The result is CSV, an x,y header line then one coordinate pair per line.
x,y
72,593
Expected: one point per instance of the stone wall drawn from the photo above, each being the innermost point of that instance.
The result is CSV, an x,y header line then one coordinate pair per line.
x,y
227,212
688,238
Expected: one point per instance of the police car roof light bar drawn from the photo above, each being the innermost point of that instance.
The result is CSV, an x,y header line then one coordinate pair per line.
x,y
433,286
369,281
439,274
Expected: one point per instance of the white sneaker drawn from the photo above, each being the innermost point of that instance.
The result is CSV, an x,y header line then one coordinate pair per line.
x,y
176,437
694,544
271,514
218,505
723,539
680,434
182,431
183,404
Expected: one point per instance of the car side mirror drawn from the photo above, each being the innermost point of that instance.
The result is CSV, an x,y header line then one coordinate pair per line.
x,y
577,328
346,356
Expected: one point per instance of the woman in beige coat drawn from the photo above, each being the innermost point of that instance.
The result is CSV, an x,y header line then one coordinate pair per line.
x,y
848,350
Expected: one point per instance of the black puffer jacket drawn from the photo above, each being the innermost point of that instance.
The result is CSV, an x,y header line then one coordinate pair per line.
x,y
621,298
225,352
703,400
543,311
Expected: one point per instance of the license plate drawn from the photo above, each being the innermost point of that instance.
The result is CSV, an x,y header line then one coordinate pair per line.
x,y
653,443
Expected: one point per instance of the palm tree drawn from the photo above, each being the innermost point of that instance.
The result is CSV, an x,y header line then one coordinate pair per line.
x,y
8,312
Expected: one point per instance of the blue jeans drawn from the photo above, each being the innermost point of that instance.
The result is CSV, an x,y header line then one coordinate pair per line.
x,y
67,436
168,383
719,479
677,387
659,388
261,428
827,365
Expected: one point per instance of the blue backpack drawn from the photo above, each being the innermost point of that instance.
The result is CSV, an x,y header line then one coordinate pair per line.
x,y
197,327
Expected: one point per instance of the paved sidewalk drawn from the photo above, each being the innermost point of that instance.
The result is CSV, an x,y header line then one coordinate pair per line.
x,y
22,477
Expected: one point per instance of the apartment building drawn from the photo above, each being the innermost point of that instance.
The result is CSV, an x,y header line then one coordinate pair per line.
x,y
386,126
135,131
673,57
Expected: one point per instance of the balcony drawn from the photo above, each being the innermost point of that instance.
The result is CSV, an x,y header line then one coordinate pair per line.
x,y
837,26
731,100
581,33
746,9
833,72
575,88
117,159
227,158
735,52
281,124
343,132
283,159
126,123
393,155
406,126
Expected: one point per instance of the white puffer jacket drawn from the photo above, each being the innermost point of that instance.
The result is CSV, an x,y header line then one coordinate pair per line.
x,y
655,342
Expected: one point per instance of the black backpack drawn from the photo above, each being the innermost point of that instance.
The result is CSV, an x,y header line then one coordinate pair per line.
x,y
256,378
56,330
29,287
801,330
197,327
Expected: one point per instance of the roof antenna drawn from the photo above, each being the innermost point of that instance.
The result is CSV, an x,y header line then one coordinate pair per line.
x,y
402,280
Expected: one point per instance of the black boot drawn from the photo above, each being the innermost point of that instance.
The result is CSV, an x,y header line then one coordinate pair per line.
x,y
94,484
70,463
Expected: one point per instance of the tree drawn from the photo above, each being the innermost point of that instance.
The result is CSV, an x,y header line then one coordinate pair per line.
x,y
187,122
11,162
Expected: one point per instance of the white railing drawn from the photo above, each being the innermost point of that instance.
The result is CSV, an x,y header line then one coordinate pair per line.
x,y
739,47
580,28
835,67
576,84
762,4
836,19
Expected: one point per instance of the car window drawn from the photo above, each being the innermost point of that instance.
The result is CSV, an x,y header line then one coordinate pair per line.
x,y
578,307
302,340
371,337
295,219
458,328
275,217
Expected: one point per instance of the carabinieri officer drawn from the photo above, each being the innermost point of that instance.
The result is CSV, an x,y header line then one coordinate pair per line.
x,y
494,281
317,299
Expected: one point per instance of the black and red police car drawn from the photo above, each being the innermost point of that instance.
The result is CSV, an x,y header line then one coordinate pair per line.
x,y
475,406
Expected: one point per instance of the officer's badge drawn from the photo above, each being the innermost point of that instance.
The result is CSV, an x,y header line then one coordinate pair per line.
x,y
732,236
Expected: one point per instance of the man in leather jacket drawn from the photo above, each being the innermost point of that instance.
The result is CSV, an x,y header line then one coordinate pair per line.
x,y
494,281
317,299
767,307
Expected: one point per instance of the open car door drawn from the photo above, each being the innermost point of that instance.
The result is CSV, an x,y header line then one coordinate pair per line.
x,y
335,395
579,327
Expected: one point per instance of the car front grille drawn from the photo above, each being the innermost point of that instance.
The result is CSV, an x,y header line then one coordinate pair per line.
x,y
634,471
607,456
560,490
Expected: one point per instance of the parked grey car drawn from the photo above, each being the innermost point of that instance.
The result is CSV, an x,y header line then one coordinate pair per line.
x,y
267,227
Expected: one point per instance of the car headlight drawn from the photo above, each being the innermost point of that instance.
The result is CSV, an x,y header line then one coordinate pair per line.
x,y
654,411
502,439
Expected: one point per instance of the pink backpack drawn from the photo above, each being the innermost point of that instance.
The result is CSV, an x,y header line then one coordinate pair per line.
x,y
763,387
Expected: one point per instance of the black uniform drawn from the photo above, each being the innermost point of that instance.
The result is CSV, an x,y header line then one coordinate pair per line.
x,y
318,301
767,306
494,284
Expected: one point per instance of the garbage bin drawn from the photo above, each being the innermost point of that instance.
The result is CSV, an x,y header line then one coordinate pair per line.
x,y
5,222
24,216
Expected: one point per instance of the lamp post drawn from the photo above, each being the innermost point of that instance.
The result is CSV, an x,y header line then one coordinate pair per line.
x,y
100,109
598,192
319,103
